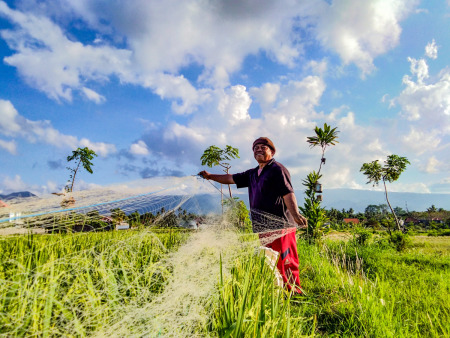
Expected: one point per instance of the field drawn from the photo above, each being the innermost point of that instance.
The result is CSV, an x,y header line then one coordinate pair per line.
x,y
117,283
74,284
351,290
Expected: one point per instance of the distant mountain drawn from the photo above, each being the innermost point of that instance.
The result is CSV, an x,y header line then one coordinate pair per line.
x,y
339,199
360,199
21,194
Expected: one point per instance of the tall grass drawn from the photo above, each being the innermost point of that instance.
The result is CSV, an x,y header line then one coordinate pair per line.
x,y
350,290
250,305
73,284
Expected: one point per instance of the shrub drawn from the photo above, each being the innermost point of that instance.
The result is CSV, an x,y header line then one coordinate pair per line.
x,y
399,240
361,236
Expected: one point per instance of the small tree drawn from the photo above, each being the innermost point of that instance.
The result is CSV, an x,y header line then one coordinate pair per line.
x,y
311,209
118,215
213,156
82,157
390,172
238,214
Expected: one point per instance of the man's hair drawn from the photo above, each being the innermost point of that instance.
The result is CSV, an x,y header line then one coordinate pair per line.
x,y
266,141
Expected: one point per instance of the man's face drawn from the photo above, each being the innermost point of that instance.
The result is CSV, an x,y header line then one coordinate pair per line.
x,y
262,153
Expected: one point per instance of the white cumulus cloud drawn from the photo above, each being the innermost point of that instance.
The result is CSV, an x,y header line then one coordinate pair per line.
x,y
361,30
421,141
235,103
431,50
425,100
139,148
93,96
12,124
9,146
158,39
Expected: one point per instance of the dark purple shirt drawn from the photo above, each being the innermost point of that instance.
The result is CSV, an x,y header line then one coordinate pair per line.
x,y
265,192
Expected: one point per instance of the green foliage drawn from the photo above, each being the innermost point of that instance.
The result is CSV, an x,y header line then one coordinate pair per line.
x,y
390,172
213,156
324,137
432,208
118,215
376,211
310,184
316,216
399,240
361,236
354,297
348,293
311,209
250,305
83,157
442,232
238,214
168,220
67,285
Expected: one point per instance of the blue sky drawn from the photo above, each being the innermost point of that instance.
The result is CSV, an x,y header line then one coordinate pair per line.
x,y
149,85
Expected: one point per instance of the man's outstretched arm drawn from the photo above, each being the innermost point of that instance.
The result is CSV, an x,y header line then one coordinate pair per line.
x,y
224,179
291,204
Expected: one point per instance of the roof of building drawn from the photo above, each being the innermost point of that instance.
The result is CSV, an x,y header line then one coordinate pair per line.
x,y
3,204
351,220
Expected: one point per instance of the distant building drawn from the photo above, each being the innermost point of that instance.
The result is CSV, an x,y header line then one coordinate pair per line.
x,y
412,220
351,220
122,226
14,217
192,224
425,222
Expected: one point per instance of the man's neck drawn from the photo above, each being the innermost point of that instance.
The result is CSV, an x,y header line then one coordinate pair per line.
x,y
263,164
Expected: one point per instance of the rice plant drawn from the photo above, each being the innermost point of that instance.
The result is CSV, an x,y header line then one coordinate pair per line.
x,y
73,284
349,290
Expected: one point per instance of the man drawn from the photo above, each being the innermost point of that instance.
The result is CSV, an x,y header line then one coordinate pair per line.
x,y
273,207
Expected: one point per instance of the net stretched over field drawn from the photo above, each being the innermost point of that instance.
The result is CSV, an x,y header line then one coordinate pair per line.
x,y
154,201
163,201
85,278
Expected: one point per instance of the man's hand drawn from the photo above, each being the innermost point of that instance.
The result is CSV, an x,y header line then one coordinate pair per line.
x,y
223,179
301,221
206,175
291,204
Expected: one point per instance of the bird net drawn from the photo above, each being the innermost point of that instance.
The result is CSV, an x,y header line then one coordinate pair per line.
x,y
148,202
134,283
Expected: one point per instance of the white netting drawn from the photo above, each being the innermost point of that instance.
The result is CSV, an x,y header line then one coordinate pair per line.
x,y
147,202
189,274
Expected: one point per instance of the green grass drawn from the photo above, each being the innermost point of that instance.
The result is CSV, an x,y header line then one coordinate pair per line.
x,y
73,284
350,290
77,284
249,304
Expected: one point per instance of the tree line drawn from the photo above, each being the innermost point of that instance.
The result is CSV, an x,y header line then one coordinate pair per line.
x,y
94,221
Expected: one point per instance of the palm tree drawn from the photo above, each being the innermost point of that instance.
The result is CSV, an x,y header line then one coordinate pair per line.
x,y
324,138
311,209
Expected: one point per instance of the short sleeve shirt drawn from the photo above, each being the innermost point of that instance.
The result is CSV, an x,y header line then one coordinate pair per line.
x,y
266,192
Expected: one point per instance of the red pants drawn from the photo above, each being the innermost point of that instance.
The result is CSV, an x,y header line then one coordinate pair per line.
x,y
286,244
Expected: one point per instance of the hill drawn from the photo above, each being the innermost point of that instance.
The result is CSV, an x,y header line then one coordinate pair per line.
x,y
360,199
20,194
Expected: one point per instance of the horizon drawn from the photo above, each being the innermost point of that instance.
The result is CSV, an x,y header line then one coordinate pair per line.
x,y
339,198
149,86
